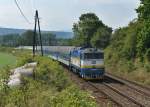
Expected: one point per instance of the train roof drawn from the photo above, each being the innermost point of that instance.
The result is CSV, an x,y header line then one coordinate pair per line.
x,y
86,50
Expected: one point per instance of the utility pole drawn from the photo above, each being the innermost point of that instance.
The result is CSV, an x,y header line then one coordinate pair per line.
x,y
35,36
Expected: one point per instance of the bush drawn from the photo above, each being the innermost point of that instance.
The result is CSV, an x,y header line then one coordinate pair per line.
x,y
49,88
23,59
72,97
50,72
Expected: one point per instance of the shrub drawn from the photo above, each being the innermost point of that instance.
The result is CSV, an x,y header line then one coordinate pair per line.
x,y
23,59
49,88
72,97
51,73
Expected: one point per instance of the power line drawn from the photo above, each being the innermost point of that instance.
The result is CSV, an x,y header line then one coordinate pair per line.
x,y
21,12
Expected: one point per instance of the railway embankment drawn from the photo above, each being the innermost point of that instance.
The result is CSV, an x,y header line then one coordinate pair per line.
x,y
50,87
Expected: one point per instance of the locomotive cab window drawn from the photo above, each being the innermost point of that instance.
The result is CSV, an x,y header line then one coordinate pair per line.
x,y
93,56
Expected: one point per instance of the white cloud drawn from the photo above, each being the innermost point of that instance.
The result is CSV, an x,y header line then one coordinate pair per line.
x,y
61,14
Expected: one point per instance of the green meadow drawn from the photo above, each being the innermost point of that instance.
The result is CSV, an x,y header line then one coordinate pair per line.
x,y
7,59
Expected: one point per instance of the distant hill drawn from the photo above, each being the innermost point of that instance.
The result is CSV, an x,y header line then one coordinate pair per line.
x,y
62,34
59,34
5,31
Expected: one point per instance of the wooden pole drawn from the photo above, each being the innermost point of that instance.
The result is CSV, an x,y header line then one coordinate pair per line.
x,y
39,33
35,34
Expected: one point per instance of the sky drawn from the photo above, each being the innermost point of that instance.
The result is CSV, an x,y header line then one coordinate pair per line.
x,y
61,14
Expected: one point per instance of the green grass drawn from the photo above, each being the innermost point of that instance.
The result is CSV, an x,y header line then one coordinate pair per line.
x,y
7,59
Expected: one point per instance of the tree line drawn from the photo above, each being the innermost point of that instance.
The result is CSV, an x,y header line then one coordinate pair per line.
x,y
26,39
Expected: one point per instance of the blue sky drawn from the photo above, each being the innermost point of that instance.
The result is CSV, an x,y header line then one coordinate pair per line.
x,y
61,14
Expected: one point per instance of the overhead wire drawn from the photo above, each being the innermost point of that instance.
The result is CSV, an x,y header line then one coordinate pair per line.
x,y
19,8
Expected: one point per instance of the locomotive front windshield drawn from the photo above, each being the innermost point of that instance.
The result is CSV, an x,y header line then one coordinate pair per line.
x,y
93,56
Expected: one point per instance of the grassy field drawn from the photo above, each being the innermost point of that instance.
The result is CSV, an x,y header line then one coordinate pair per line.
x,y
7,59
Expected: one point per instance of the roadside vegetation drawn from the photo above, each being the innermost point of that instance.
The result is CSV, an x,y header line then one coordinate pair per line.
x,y
122,56
50,87
127,49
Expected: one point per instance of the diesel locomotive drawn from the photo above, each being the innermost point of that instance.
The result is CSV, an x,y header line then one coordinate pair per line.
x,y
86,62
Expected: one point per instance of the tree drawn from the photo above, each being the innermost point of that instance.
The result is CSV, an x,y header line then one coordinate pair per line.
x,y
143,39
124,41
85,29
144,10
101,38
48,39
129,49
27,38
10,40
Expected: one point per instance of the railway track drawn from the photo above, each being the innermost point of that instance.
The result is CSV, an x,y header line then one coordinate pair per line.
x,y
116,96
135,92
122,94
140,88
101,98
120,91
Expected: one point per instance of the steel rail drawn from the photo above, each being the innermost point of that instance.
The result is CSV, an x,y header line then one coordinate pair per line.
x,y
130,84
126,96
118,103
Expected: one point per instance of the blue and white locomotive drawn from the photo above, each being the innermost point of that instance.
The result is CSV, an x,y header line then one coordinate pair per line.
x,y
88,62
